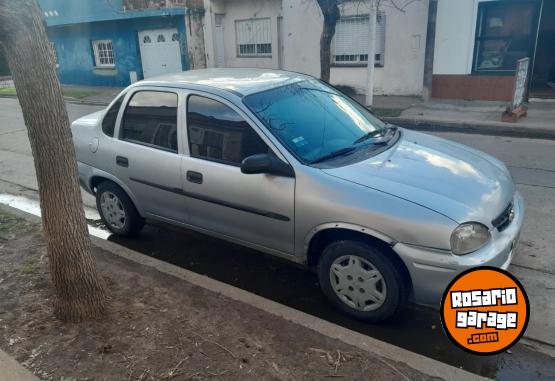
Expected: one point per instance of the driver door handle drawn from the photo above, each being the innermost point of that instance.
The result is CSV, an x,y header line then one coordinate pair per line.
x,y
194,177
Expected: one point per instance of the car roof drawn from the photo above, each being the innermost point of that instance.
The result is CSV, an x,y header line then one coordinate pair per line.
x,y
239,81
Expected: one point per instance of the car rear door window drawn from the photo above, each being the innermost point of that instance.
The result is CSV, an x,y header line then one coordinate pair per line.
x,y
109,121
150,119
218,133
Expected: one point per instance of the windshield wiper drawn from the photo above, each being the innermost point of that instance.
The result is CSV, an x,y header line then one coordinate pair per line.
x,y
331,155
372,134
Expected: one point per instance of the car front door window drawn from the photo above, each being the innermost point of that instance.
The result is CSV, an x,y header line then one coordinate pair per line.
x,y
218,133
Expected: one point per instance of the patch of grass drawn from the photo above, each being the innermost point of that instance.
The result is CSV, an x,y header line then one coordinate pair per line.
x,y
11,225
7,91
387,112
30,266
76,92
67,91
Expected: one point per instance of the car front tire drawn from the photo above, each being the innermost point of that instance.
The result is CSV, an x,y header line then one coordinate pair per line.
x,y
117,210
362,281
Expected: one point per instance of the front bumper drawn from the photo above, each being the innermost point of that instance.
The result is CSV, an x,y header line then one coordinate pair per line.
x,y
432,270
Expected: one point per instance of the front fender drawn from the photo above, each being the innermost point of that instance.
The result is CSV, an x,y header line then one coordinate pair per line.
x,y
347,226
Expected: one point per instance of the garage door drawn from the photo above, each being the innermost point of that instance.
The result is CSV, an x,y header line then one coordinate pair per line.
x,y
160,52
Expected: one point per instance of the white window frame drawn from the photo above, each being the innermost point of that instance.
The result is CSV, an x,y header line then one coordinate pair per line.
x,y
98,57
263,37
357,59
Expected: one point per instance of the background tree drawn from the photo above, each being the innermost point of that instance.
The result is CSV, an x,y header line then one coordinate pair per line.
x,y
331,13
79,291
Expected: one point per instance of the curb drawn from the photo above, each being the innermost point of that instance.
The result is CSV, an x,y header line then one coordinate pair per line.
x,y
11,370
365,343
481,128
67,99
368,344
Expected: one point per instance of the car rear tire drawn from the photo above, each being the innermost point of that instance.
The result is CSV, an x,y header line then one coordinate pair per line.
x,y
117,210
362,281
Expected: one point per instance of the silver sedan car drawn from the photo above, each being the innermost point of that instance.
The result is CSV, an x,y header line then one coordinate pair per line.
x,y
288,165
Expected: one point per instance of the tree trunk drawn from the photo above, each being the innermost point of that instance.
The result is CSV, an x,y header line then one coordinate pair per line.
x,y
371,54
330,11
79,290
195,34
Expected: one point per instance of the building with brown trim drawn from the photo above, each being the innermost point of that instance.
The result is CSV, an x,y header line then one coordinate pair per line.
x,y
478,42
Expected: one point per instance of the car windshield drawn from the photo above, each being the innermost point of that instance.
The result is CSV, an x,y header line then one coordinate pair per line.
x,y
313,120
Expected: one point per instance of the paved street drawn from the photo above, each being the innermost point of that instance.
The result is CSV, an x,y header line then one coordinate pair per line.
x,y
532,164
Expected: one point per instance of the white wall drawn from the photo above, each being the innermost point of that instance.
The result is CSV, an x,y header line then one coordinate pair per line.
x,y
302,26
241,10
405,41
454,43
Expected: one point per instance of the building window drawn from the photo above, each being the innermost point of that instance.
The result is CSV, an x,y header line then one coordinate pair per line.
x,y
254,38
352,37
103,53
503,35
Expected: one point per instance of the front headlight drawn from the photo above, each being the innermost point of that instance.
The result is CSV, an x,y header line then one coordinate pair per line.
x,y
469,237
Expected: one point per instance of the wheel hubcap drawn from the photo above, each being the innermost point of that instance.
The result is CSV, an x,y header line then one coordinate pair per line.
x,y
112,210
358,283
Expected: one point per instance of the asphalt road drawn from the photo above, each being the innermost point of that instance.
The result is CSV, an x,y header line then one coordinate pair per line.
x,y
532,164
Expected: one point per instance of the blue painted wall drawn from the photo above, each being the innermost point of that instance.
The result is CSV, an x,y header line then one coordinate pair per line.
x,y
62,12
75,55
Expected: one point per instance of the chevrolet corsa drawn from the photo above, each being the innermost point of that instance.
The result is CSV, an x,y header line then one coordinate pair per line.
x,y
284,163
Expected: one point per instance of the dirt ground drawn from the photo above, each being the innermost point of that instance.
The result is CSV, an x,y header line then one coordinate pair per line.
x,y
159,328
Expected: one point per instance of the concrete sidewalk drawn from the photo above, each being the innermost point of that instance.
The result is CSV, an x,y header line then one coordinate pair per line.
x,y
11,370
469,117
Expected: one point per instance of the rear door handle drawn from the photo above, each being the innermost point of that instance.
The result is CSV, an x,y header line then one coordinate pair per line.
x,y
122,161
194,177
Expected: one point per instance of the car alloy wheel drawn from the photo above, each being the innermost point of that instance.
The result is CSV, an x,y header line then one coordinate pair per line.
x,y
358,283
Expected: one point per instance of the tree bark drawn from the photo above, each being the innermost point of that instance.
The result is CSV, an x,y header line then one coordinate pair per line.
x,y
79,290
330,11
195,34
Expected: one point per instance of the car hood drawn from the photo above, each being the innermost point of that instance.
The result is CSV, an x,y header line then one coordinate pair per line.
x,y
454,180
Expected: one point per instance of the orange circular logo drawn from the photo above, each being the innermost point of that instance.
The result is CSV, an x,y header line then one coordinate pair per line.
x,y
485,310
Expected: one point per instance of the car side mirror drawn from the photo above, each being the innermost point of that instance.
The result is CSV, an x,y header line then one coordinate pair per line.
x,y
266,163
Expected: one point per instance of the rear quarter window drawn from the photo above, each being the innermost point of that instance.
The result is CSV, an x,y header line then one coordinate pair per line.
x,y
109,121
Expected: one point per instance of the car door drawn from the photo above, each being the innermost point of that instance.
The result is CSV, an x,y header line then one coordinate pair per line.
x,y
147,152
255,208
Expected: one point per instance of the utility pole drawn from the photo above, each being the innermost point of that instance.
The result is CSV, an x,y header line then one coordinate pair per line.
x,y
429,55
371,53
